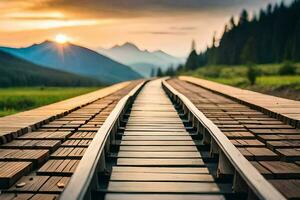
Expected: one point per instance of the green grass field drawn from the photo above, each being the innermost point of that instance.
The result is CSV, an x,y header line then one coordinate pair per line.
x,y
13,100
269,81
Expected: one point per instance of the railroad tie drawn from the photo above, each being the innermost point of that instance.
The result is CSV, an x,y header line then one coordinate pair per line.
x,y
158,158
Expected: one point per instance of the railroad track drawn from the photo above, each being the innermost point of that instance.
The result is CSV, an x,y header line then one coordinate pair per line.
x,y
160,155
155,140
40,149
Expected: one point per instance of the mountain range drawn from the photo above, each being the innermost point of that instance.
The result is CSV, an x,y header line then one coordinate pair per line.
x,y
19,72
75,59
142,61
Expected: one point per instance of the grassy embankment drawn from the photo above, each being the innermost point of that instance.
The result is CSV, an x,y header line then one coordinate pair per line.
x,y
268,81
16,99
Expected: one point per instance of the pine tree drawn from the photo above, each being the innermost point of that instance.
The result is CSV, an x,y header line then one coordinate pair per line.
x,y
244,17
193,47
152,74
159,73
248,54
214,41
180,68
231,23
170,71
192,61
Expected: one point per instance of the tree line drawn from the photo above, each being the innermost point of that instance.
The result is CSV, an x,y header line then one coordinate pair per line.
x,y
272,36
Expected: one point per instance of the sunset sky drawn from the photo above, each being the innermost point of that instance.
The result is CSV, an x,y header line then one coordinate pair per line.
x,y
169,25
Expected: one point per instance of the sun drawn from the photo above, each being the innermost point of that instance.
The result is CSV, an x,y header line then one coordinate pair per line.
x,y
61,38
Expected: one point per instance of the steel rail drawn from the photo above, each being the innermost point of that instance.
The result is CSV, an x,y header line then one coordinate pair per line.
x,y
85,178
244,171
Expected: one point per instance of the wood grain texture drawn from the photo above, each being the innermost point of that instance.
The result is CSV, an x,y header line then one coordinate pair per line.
x,y
288,110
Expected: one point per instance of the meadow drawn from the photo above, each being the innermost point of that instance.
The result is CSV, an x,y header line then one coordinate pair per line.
x,y
268,81
16,99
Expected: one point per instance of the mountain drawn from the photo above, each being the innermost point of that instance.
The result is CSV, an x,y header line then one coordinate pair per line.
x,y
129,54
75,59
145,69
19,72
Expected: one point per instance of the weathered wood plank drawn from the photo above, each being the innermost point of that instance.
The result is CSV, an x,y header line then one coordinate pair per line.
x,y
159,143
156,138
159,162
159,148
129,154
83,135
175,170
76,143
255,153
37,157
124,196
288,187
10,172
168,187
155,133
38,135
58,167
11,196
282,169
289,154
29,184
68,153
135,176
32,144
55,184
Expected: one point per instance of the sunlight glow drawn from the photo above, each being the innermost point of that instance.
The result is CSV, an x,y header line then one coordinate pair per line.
x,y
61,38
35,15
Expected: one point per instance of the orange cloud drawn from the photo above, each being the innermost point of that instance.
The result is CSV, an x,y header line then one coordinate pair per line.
x,y
169,25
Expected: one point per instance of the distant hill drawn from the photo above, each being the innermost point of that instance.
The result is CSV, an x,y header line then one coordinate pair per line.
x,y
144,69
129,54
15,71
75,59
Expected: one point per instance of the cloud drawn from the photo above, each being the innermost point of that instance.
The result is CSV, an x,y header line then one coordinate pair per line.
x,y
160,32
138,8
184,28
